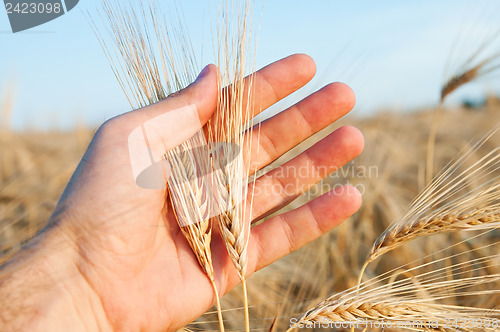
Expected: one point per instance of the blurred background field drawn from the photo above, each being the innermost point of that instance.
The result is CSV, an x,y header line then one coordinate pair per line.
x,y
35,166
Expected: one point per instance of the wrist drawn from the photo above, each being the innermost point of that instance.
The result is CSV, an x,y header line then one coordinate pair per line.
x,y
41,289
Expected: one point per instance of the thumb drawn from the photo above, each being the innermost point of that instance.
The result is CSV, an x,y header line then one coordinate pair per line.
x,y
202,94
162,126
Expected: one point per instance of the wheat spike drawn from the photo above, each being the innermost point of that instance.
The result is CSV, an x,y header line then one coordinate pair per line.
x,y
192,207
356,311
397,236
231,126
456,200
468,75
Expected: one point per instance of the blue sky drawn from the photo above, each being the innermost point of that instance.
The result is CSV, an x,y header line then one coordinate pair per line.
x,y
394,53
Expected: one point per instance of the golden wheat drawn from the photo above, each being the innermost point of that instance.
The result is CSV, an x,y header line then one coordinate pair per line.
x,y
232,125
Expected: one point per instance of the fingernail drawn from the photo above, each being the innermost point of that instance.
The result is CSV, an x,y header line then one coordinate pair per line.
x,y
203,73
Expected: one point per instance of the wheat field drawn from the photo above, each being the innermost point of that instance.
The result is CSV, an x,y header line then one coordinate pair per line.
x,y
35,166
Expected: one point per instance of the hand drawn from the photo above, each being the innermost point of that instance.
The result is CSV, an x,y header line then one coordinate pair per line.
x,y
125,263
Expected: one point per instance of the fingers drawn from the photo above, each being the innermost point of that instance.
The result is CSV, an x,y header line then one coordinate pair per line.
x,y
288,232
290,127
285,183
270,84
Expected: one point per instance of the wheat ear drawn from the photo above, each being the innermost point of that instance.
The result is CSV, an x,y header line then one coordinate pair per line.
x,y
151,61
231,125
458,199
192,206
233,222
476,220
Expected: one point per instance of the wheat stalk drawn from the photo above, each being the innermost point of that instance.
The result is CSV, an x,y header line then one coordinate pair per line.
x,y
388,314
462,197
192,207
332,312
469,74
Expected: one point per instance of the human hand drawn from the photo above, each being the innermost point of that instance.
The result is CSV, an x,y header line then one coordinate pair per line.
x,y
124,261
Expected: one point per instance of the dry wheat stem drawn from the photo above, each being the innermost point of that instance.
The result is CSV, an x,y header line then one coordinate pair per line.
x,y
230,125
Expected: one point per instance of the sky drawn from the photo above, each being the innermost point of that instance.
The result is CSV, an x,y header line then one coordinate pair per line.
x,y
395,54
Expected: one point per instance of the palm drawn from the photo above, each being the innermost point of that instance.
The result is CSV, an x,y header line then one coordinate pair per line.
x,y
133,253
